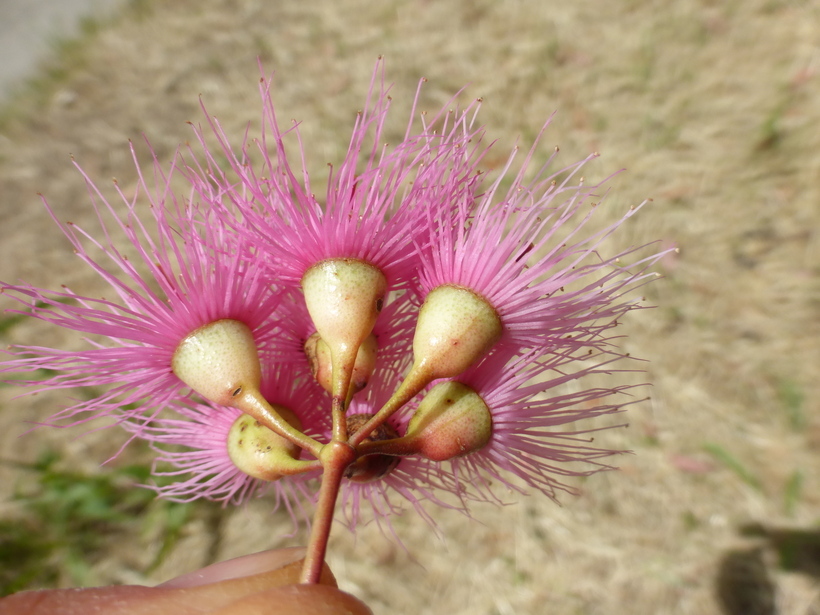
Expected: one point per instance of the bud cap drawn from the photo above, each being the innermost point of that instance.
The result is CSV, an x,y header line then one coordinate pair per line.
x,y
218,361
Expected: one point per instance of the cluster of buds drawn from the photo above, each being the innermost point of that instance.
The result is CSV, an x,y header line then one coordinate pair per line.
x,y
398,339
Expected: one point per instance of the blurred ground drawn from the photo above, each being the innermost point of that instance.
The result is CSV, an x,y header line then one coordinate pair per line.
x,y
713,109
29,28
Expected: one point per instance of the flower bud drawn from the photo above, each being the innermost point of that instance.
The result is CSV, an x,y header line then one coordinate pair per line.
x,y
258,451
218,361
455,328
344,297
451,421
371,467
321,363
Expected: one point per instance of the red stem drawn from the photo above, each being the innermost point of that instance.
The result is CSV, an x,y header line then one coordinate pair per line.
x,y
335,457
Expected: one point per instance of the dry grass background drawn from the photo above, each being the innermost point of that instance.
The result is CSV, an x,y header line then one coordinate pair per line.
x,y
714,109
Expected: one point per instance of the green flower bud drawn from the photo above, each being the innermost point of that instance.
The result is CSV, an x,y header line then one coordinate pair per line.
x,y
260,452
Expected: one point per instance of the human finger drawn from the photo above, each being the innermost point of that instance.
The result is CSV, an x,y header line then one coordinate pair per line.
x,y
213,589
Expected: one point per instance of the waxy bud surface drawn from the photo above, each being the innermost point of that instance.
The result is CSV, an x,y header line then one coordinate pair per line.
x,y
219,361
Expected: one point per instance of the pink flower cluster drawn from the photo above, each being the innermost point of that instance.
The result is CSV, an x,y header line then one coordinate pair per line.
x,y
237,244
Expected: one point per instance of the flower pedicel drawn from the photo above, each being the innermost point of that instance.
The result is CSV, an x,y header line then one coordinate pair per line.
x,y
406,337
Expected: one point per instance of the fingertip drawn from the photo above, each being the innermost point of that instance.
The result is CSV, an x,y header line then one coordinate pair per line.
x,y
301,599
248,565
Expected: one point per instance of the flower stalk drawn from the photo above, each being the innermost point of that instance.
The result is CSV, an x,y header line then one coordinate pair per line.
x,y
335,458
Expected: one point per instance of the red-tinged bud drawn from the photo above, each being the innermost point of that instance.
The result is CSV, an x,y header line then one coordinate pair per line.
x,y
451,421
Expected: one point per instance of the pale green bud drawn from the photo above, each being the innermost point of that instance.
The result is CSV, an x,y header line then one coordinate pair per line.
x,y
344,297
219,361
455,328
260,452
321,363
